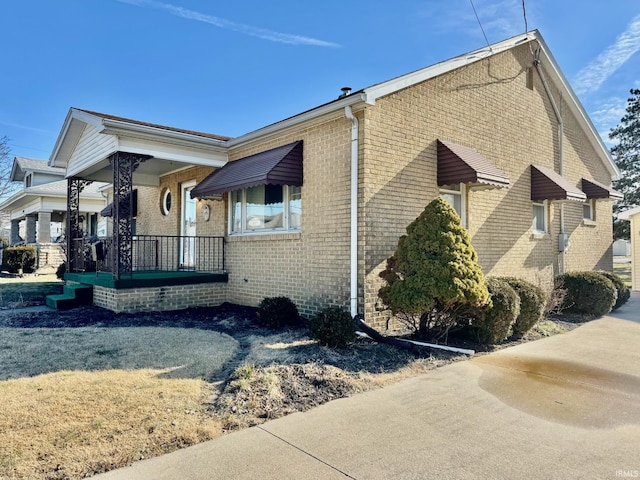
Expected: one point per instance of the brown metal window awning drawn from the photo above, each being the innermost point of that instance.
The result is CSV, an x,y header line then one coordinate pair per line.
x,y
278,166
546,184
460,164
108,210
595,189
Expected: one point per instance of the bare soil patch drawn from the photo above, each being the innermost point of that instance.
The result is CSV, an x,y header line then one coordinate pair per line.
x,y
201,372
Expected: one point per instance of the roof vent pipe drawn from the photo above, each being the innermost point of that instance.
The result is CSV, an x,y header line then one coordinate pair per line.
x,y
345,91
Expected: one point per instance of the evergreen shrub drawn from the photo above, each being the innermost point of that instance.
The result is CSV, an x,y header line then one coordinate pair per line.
x,y
588,293
494,322
333,327
624,292
277,312
434,274
532,304
20,257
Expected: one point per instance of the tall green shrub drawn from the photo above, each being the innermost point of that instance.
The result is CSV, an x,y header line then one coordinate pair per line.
x,y
532,304
588,292
434,274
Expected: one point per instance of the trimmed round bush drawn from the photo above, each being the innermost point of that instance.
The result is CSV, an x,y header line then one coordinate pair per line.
x,y
624,292
20,257
277,312
532,303
333,327
494,322
588,293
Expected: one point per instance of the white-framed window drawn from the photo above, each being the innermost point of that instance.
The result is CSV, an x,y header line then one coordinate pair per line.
x,y
456,195
540,217
165,201
588,210
264,209
27,180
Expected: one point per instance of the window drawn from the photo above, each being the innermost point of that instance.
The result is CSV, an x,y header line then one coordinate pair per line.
x,y
27,180
165,202
455,195
265,208
540,217
588,210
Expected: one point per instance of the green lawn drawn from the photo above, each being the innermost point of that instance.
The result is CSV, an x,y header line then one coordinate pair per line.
x,y
624,271
16,293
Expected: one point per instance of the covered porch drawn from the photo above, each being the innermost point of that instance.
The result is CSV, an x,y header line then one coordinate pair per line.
x,y
164,263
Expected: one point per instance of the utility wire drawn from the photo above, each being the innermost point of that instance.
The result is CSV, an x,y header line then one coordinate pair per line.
x,y
478,18
524,12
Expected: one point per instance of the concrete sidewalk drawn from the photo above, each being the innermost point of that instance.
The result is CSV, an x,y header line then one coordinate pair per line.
x,y
567,406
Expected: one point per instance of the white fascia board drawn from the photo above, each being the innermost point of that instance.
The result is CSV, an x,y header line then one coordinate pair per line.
x,y
119,128
323,113
6,205
578,109
73,114
196,155
395,84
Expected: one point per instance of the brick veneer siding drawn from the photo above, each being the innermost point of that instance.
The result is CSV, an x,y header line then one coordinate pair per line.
x,y
487,106
158,299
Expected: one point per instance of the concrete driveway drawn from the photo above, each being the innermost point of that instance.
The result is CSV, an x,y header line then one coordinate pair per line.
x,y
566,407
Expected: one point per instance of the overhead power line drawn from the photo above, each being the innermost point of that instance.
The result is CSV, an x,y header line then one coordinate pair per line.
x,y
479,23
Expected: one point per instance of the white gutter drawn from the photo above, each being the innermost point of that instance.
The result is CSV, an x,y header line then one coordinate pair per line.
x,y
354,210
556,110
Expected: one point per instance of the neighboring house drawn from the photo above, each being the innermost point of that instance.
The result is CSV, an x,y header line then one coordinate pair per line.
x,y
312,206
37,212
633,215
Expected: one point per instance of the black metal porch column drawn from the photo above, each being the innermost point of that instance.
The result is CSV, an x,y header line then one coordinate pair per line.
x,y
123,164
74,188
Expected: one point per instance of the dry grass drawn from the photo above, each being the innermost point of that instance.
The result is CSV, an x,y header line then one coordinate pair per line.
x,y
73,424
16,292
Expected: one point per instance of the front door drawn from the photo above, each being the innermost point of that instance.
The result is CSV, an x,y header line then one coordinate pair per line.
x,y
187,227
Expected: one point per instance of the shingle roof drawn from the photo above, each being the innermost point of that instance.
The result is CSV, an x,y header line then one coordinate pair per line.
x,y
33,165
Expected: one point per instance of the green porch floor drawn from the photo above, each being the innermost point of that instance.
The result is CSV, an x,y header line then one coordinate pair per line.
x,y
146,279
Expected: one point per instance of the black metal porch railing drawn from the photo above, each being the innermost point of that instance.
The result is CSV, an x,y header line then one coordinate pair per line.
x,y
152,253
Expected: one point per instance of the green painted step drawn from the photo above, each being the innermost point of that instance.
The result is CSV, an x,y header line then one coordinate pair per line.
x,y
73,295
60,302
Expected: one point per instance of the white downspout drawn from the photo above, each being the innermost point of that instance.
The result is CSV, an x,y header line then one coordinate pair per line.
x,y
354,210
556,110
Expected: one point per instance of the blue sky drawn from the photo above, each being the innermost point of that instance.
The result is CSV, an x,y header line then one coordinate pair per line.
x,y
232,67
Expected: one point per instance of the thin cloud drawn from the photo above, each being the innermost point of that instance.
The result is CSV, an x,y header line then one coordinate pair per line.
x,y
262,33
590,78
25,127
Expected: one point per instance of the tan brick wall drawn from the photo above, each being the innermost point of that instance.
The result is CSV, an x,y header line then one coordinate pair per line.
x,y
311,267
486,106
157,299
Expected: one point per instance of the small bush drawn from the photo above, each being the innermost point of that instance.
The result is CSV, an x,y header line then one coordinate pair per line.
x,y
532,304
333,327
20,257
277,312
494,322
61,270
624,292
588,293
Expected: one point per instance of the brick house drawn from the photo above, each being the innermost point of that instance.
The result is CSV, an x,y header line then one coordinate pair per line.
x,y
312,206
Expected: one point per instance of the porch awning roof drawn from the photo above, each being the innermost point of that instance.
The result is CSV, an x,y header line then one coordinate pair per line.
x,y
546,184
595,189
460,164
108,210
278,166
